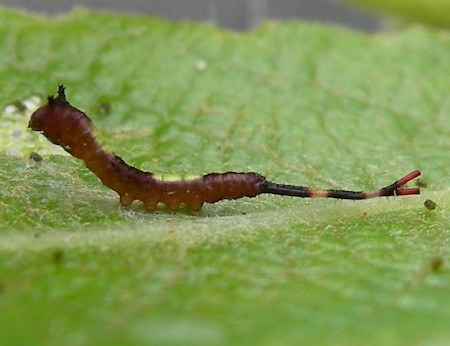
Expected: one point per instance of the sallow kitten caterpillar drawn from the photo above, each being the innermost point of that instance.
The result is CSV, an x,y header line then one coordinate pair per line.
x,y
71,129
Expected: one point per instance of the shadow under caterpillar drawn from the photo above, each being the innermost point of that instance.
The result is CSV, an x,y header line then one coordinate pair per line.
x,y
71,129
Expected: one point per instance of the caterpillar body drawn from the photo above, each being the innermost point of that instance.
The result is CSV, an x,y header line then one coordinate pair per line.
x,y
72,129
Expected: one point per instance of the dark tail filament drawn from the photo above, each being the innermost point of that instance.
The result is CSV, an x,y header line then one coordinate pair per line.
x,y
395,189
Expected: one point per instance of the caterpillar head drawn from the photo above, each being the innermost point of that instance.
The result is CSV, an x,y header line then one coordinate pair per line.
x,y
59,121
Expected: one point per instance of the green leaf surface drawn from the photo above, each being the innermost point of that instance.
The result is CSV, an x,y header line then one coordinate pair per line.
x,y
300,103
434,12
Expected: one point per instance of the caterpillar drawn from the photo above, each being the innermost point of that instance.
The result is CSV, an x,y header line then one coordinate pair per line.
x,y
72,129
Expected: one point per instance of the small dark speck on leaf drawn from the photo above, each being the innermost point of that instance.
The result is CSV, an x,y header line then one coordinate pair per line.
x,y
421,183
36,157
57,256
172,231
429,204
104,108
20,106
437,263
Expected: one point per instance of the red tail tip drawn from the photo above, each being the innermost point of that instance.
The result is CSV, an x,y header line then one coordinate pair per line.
x,y
406,192
409,177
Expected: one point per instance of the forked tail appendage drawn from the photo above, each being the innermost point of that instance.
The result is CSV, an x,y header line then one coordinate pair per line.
x,y
395,189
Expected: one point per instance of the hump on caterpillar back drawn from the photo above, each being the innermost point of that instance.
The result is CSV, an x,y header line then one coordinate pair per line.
x,y
58,119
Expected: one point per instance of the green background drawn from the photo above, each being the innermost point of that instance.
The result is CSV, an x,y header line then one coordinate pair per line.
x,y
300,103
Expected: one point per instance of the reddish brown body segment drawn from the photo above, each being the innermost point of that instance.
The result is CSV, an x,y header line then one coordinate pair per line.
x,y
70,128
